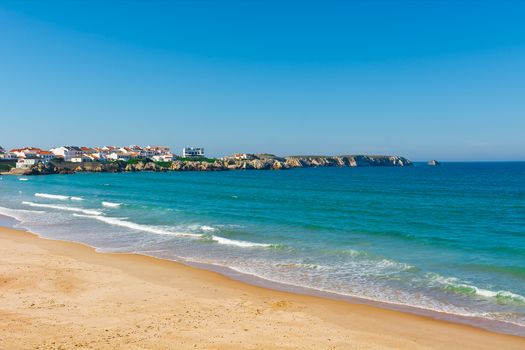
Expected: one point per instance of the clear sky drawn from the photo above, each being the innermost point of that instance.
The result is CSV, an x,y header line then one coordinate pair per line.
x,y
422,79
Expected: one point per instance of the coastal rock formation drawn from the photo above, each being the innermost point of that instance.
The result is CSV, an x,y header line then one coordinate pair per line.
x,y
346,161
433,162
258,162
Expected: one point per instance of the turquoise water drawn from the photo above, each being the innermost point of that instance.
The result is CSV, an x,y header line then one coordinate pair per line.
x,y
449,238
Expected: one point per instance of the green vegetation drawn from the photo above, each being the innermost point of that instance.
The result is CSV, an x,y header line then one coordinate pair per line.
x,y
164,164
197,159
135,161
6,166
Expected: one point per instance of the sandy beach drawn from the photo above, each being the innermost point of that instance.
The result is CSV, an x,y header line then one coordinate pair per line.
x,y
62,295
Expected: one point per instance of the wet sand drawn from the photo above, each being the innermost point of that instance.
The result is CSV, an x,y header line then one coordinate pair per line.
x,y
63,295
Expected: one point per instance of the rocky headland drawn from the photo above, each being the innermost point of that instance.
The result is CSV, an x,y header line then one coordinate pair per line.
x,y
258,162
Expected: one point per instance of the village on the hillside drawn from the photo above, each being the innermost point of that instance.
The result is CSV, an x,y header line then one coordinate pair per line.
x,y
28,157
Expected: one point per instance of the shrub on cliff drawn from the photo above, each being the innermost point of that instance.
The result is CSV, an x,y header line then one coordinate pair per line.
x,y
197,159
163,164
6,166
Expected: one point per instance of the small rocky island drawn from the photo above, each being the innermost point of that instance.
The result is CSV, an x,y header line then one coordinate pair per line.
x,y
256,162
433,162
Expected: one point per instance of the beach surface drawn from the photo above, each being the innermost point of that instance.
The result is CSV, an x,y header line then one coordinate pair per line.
x,y
63,295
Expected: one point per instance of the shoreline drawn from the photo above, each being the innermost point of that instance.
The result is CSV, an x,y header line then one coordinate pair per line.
x,y
495,326
489,325
348,316
257,162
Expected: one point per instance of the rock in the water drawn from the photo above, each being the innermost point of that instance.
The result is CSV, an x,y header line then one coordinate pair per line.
x,y
433,162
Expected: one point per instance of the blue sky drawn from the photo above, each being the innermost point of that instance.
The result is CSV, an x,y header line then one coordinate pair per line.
x,y
422,79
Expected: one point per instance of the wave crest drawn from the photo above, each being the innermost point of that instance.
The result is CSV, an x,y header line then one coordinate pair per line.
x,y
16,213
137,227
52,196
58,197
453,285
244,244
63,207
111,204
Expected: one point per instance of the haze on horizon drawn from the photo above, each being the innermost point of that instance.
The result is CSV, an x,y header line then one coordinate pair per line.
x,y
425,80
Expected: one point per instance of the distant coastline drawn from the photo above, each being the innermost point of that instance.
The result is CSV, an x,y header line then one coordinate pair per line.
x,y
254,162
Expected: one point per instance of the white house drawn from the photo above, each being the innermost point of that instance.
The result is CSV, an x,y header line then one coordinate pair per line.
x,y
163,158
25,163
158,149
81,159
119,156
67,152
107,149
88,150
46,155
190,152
125,150
8,156
98,156
147,153
26,152
242,156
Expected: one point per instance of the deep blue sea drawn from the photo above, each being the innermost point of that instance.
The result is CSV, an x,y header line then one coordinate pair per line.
x,y
449,238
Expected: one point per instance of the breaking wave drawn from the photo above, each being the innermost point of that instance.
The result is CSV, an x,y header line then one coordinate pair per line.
x,y
137,227
52,196
18,214
453,285
63,207
244,244
58,197
111,204
166,231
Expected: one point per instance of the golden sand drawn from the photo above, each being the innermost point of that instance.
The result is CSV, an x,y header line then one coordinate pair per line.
x,y
62,295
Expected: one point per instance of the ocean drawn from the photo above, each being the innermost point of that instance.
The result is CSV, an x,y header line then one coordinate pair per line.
x,y
447,239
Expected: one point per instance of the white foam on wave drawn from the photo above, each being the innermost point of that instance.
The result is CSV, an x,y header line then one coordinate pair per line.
x,y
111,204
52,196
18,214
499,294
138,227
243,244
454,284
164,231
201,228
63,207
58,197
23,179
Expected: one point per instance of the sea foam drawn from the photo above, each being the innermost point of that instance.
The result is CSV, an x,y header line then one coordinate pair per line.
x,y
18,214
52,196
138,227
111,204
164,231
453,285
63,207
243,244
58,197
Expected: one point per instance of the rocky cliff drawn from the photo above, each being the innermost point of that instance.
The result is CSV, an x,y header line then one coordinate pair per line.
x,y
266,162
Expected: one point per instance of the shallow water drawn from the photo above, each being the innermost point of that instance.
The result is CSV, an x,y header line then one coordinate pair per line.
x,y
449,238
